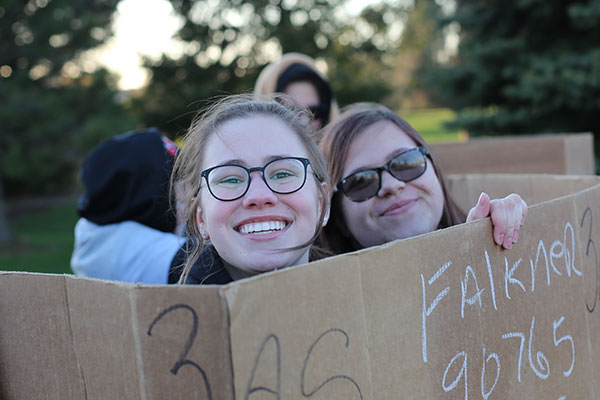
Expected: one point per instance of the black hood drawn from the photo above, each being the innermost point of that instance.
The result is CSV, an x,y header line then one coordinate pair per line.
x,y
127,179
302,73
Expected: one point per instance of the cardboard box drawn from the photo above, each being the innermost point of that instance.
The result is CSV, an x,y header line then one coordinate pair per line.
x,y
447,315
571,154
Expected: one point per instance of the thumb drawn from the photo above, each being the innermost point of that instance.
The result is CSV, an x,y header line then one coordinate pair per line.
x,y
481,209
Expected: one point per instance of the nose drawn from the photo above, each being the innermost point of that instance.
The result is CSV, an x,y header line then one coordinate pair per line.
x,y
389,185
258,195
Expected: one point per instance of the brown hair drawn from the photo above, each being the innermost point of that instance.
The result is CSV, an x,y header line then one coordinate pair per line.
x,y
336,141
186,178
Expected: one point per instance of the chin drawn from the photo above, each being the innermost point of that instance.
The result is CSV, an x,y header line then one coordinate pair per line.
x,y
265,267
407,234
269,263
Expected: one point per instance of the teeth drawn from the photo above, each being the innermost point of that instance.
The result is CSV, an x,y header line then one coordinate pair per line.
x,y
262,227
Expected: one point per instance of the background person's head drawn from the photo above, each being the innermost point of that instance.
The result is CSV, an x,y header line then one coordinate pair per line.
x,y
383,208
126,178
296,75
253,227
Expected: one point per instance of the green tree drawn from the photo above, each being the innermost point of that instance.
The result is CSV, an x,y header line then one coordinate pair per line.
x,y
5,235
51,110
228,42
523,66
421,40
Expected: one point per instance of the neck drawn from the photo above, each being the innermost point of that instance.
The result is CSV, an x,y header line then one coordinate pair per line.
x,y
235,272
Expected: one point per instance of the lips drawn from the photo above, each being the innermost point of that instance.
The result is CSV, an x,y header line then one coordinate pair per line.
x,y
399,207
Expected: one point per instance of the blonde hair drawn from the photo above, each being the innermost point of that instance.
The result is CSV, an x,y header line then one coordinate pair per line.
x,y
187,179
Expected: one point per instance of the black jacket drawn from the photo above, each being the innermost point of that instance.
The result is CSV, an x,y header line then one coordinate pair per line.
x,y
207,270
126,178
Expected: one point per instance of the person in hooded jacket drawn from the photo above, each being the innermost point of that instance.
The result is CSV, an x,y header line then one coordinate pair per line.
x,y
296,75
127,229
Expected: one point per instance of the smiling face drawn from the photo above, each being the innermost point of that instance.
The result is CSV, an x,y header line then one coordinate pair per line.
x,y
253,233
400,209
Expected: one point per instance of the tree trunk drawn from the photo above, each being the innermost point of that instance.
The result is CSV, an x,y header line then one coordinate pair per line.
x,y
4,231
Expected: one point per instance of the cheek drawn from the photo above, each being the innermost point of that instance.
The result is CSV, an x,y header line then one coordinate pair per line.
x,y
354,213
214,212
311,208
431,185
313,201
429,182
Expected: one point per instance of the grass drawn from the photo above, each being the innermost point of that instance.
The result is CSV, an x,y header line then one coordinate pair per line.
x,y
430,124
42,240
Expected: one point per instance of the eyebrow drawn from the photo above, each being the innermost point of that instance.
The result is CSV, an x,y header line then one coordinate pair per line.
x,y
388,157
237,161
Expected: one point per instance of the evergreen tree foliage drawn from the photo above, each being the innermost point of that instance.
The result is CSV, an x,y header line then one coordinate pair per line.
x,y
523,66
228,42
421,39
52,111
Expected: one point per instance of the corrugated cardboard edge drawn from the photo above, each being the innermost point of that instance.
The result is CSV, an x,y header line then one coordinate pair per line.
x,y
72,337
224,302
138,347
101,319
589,332
365,320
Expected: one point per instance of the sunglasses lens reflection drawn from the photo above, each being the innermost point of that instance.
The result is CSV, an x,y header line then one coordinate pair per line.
x,y
361,185
408,166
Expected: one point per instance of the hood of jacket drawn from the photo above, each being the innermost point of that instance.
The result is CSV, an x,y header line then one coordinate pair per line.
x,y
127,178
268,80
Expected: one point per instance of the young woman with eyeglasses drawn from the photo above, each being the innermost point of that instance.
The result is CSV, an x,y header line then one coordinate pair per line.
x,y
255,189
388,185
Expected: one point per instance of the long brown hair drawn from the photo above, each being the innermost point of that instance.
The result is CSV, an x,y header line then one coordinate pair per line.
x,y
186,178
335,144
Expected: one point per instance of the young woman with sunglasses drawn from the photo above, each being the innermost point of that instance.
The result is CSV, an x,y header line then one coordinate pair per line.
x,y
255,189
389,187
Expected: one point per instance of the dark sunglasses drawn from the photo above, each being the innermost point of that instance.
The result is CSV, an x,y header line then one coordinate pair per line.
x,y
320,112
364,184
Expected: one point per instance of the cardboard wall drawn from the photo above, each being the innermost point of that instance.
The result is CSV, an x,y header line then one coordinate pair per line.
x,y
571,154
36,339
533,188
446,315
63,337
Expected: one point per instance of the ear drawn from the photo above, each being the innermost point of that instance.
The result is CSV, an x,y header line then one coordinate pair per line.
x,y
327,203
202,224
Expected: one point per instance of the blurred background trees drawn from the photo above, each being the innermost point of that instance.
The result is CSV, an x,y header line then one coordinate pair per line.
x,y
517,66
51,109
526,66
55,105
228,42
